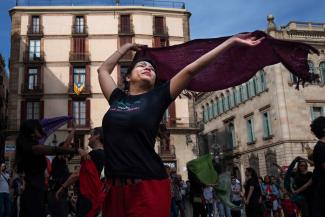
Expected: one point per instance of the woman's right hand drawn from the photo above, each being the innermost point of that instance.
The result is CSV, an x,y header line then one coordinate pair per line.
x,y
135,47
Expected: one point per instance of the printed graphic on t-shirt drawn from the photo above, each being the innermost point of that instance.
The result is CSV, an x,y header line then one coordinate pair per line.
x,y
126,106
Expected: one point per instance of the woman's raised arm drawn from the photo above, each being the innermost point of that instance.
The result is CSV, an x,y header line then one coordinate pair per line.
x,y
180,81
106,81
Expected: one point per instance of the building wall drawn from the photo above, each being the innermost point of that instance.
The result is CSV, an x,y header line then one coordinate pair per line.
x,y
102,41
288,107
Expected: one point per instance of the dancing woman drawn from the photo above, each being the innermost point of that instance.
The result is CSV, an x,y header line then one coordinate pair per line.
x,y
139,183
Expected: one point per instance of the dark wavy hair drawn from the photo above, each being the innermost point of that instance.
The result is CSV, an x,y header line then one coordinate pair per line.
x,y
26,136
318,127
131,67
99,131
252,172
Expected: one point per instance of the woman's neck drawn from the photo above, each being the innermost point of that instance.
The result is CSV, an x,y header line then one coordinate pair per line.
x,y
137,89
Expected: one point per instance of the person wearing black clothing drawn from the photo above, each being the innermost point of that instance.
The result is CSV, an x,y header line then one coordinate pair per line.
x,y
318,179
31,161
59,174
97,156
253,194
302,187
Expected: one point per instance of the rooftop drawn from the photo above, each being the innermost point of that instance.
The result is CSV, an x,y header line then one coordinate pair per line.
x,y
146,3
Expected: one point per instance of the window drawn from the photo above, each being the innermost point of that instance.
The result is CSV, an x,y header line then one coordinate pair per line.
x,y
125,24
312,69
215,107
79,112
161,41
35,24
244,92
220,105
251,88
80,24
78,141
34,49
263,80
79,76
230,100
238,96
250,130
205,114
267,129
159,25
211,111
33,110
322,71
124,40
79,46
254,163
122,74
231,137
226,102
316,112
32,79
270,159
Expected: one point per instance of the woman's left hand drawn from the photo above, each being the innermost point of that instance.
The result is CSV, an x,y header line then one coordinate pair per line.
x,y
246,39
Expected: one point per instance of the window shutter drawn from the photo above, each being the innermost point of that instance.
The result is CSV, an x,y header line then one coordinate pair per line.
x,y
156,41
71,78
22,111
87,78
70,112
41,107
88,112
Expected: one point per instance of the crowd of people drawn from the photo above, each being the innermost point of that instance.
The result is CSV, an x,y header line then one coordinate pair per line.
x,y
136,182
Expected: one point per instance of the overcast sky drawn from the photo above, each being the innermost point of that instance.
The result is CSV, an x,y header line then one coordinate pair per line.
x,y
215,18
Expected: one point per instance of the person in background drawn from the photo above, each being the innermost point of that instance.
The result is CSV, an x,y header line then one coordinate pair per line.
x,y
318,179
235,196
271,195
252,194
209,200
59,174
30,160
97,156
4,191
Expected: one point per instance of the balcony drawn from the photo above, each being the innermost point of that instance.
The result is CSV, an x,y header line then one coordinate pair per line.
x,y
167,154
145,3
34,91
78,30
161,32
128,31
82,125
79,57
84,92
33,58
36,31
182,125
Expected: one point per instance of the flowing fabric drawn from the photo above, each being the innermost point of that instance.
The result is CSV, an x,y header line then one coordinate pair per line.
x,y
91,186
50,125
234,66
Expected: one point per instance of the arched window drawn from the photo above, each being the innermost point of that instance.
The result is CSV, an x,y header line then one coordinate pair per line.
x,y
205,115
231,136
270,159
207,110
215,107
322,71
263,80
254,163
211,115
220,105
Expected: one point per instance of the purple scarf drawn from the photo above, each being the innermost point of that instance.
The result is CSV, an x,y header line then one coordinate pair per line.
x,y
234,66
50,125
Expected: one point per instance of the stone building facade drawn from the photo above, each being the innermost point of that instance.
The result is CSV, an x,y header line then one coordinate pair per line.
x,y
265,120
3,106
56,51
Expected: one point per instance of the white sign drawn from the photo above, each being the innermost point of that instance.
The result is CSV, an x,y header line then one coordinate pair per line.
x,y
10,148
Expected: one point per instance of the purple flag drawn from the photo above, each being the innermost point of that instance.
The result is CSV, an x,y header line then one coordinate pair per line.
x,y
50,125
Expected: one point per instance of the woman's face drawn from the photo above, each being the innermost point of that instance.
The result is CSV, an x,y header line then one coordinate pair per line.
x,y
302,167
143,72
267,179
247,174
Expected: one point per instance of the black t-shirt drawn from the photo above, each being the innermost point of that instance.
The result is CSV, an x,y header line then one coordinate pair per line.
x,y
319,172
98,157
34,166
59,173
256,192
130,127
300,180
